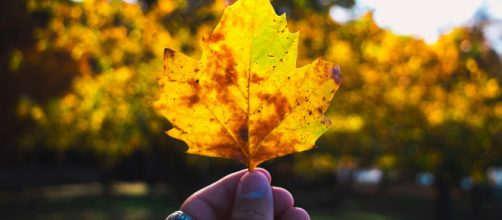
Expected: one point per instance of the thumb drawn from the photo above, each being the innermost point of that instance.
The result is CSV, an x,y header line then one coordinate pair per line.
x,y
253,199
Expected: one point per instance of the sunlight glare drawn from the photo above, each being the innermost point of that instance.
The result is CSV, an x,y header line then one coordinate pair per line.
x,y
426,18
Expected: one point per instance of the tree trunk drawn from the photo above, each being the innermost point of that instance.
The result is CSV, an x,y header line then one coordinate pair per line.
x,y
477,200
443,207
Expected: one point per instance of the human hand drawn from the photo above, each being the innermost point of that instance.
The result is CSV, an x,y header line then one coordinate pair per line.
x,y
243,195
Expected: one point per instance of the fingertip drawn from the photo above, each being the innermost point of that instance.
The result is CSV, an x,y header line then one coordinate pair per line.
x,y
254,199
283,200
302,213
254,185
264,172
295,213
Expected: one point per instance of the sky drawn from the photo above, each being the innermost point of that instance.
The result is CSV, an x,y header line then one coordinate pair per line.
x,y
426,19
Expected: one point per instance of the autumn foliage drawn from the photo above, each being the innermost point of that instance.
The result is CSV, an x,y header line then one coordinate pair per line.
x,y
403,103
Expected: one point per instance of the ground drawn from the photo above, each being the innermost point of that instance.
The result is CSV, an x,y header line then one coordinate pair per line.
x,y
88,202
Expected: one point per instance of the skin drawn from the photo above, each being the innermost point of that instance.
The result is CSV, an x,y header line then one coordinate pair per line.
x,y
243,195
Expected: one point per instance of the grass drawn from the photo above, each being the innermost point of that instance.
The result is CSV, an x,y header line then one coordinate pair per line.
x,y
142,207
348,215
103,208
319,204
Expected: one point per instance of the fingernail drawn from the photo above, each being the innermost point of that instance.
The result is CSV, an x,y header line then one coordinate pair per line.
x,y
254,185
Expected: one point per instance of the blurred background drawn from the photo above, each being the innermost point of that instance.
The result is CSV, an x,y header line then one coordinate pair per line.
x,y
417,122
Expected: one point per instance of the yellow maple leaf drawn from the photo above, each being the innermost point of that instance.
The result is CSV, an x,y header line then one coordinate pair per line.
x,y
245,99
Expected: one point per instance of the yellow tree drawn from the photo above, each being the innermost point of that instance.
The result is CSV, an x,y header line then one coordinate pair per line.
x,y
402,101
117,49
408,105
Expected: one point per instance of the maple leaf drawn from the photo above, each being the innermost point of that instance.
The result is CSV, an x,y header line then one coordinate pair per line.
x,y
245,99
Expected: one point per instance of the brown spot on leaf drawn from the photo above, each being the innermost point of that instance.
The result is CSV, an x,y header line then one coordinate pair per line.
x,y
168,53
221,67
215,37
265,126
160,107
281,105
256,79
195,84
196,70
243,133
180,129
276,145
263,97
224,60
224,146
191,100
